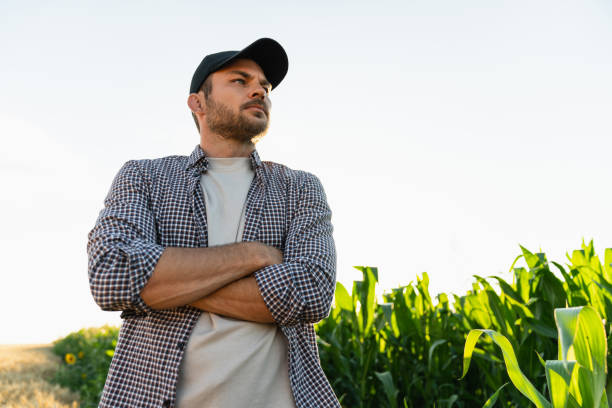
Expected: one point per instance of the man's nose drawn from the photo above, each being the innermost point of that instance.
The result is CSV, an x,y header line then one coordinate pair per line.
x,y
258,92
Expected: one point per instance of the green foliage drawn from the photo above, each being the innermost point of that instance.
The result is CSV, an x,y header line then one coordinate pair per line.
x,y
405,349
514,372
578,379
86,356
400,352
415,350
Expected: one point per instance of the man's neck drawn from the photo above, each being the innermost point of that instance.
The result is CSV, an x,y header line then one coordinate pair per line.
x,y
217,146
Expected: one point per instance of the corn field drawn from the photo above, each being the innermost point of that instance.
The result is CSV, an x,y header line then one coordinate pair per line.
x,y
407,350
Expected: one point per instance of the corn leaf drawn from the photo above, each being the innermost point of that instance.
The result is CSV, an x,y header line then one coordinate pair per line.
x,y
581,387
533,260
558,377
540,328
604,400
431,351
608,264
582,338
605,288
541,359
493,399
514,372
522,283
567,322
507,290
447,402
343,299
591,350
388,385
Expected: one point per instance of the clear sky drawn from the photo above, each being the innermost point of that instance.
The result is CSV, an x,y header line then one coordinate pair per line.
x,y
446,133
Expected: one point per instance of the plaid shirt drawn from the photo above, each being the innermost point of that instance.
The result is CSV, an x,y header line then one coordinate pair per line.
x,y
154,204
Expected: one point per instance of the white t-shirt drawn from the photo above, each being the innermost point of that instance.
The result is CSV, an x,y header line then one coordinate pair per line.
x,y
229,362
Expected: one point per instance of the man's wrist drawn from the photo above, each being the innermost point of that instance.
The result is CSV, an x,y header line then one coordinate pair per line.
x,y
255,255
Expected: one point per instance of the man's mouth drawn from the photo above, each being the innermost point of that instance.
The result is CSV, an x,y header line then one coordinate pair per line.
x,y
256,106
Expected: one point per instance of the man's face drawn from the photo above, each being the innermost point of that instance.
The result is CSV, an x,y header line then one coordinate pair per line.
x,y
238,106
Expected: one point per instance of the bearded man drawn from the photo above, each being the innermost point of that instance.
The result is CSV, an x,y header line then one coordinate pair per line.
x,y
219,262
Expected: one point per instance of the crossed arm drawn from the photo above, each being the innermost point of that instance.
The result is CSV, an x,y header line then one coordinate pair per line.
x,y
240,299
215,279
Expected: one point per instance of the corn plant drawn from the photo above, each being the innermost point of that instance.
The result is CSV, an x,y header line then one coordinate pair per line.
x,y
404,351
523,311
577,379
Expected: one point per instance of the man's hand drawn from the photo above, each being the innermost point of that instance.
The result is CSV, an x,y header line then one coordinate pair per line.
x,y
184,275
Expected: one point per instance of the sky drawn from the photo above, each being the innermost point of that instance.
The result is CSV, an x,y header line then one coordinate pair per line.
x,y
445,132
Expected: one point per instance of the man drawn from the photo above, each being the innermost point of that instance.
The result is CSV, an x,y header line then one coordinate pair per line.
x,y
219,262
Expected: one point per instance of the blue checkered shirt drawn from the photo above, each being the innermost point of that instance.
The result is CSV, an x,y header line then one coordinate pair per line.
x,y
153,204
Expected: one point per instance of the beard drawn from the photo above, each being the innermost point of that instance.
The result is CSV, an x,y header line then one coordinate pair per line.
x,y
237,126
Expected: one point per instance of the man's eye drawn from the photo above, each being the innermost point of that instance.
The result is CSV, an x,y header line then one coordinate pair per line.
x,y
240,81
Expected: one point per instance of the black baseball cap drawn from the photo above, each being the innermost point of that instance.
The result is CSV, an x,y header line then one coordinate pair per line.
x,y
266,52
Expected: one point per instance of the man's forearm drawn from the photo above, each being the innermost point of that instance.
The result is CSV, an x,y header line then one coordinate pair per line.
x,y
184,275
240,299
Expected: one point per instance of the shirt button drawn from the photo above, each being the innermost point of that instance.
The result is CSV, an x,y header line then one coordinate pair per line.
x,y
166,404
181,345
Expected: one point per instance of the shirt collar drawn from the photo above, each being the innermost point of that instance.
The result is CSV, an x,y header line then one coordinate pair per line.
x,y
197,160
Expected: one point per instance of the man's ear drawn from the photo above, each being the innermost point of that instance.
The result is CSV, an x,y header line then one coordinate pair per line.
x,y
195,103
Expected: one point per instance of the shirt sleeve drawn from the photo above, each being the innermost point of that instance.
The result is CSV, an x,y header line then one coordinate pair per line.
x,y
301,289
122,246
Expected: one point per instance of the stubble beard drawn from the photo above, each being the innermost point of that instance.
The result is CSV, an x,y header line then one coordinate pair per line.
x,y
236,126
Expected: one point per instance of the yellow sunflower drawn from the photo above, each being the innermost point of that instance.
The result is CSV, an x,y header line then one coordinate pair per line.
x,y
70,358
81,354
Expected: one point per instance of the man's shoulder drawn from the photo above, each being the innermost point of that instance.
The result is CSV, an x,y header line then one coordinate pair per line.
x,y
162,162
295,181
287,174
152,168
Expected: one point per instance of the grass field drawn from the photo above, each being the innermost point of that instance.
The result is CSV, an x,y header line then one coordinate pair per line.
x,y
24,371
